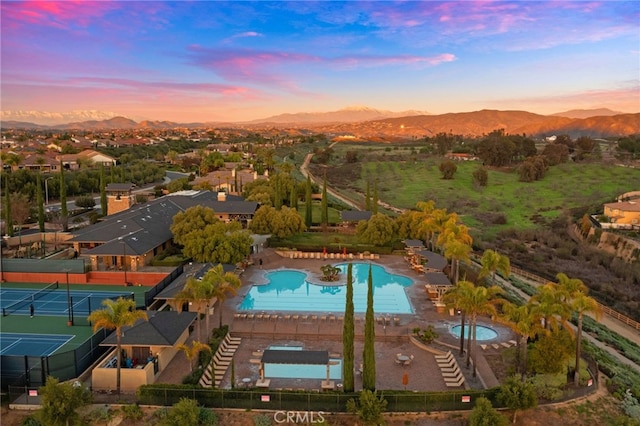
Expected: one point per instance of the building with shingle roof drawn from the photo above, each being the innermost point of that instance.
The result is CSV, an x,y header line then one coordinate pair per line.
x,y
131,238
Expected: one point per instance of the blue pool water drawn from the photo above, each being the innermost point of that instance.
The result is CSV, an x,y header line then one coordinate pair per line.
x,y
482,332
289,290
302,371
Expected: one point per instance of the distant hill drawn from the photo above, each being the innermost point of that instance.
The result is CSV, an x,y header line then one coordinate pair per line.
x,y
586,113
478,123
112,123
414,125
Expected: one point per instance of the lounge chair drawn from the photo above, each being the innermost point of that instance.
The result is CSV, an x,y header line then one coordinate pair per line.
x,y
457,383
445,357
451,363
451,374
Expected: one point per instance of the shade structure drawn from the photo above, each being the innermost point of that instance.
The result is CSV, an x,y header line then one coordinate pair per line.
x,y
270,356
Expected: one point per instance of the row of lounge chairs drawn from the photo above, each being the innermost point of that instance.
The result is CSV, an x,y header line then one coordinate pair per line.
x,y
220,362
450,370
306,317
288,317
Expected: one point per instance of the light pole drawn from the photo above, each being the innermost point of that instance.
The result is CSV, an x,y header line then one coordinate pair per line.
x,y
46,191
124,261
69,312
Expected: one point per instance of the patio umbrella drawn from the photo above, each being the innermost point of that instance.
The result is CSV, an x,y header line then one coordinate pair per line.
x,y
405,380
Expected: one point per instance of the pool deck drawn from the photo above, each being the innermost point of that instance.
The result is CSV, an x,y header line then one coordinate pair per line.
x,y
323,331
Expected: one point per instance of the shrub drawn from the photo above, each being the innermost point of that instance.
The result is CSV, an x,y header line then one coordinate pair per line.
x,y
132,412
207,417
484,414
262,420
369,407
427,335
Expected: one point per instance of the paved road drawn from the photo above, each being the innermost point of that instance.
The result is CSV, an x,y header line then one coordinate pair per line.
x,y
304,169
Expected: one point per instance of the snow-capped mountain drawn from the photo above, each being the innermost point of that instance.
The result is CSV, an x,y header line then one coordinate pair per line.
x,y
350,114
56,118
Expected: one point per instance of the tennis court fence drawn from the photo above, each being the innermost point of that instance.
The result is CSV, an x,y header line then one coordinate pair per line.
x,y
20,371
81,309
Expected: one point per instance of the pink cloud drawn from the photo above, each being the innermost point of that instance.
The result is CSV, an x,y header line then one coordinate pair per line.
x,y
623,99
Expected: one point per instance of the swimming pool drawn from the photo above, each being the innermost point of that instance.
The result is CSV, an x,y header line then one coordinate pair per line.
x,y
302,371
289,290
482,332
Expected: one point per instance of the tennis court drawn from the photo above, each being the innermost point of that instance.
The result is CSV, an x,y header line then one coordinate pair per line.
x,y
54,301
32,344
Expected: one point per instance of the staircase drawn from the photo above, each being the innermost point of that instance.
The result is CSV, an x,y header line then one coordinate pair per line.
x,y
220,362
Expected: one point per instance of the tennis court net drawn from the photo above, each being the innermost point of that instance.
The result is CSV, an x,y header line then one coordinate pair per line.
x,y
29,299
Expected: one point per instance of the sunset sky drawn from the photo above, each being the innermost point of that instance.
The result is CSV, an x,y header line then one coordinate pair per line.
x,y
233,61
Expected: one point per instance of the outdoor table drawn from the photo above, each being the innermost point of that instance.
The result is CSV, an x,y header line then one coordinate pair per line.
x,y
403,358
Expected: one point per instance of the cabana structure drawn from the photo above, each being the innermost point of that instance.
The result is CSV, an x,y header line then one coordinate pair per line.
x,y
270,356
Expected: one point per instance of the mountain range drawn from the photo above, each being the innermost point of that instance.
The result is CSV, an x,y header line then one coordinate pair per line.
x,y
364,122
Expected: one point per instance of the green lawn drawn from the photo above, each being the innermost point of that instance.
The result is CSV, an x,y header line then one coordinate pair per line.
x,y
403,184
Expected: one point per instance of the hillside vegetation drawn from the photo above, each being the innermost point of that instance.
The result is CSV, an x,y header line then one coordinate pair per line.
x,y
527,221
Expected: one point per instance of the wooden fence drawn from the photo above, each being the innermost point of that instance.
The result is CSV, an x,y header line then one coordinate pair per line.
x,y
605,309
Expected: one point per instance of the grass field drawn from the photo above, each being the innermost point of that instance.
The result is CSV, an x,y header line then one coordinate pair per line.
x,y
566,186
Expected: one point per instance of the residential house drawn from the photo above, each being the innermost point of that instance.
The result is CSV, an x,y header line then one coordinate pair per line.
x,y
147,348
623,212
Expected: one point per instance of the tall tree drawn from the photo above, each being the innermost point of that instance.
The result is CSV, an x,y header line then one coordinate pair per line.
x,y
493,261
194,294
191,351
64,213
477,300
8,218
293,197
308,204
324,209
453,299
348,360
525,321
277,198
223,284
367,201
103,192
369,354
116,315
374,201
581,304
40,202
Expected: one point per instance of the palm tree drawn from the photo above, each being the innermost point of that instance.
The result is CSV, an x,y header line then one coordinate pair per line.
x,y
439,217
116,315
549,306
220,284
478,300
194,294
493,261
192,351
456,250
581,304
452,299
570,287
525,321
